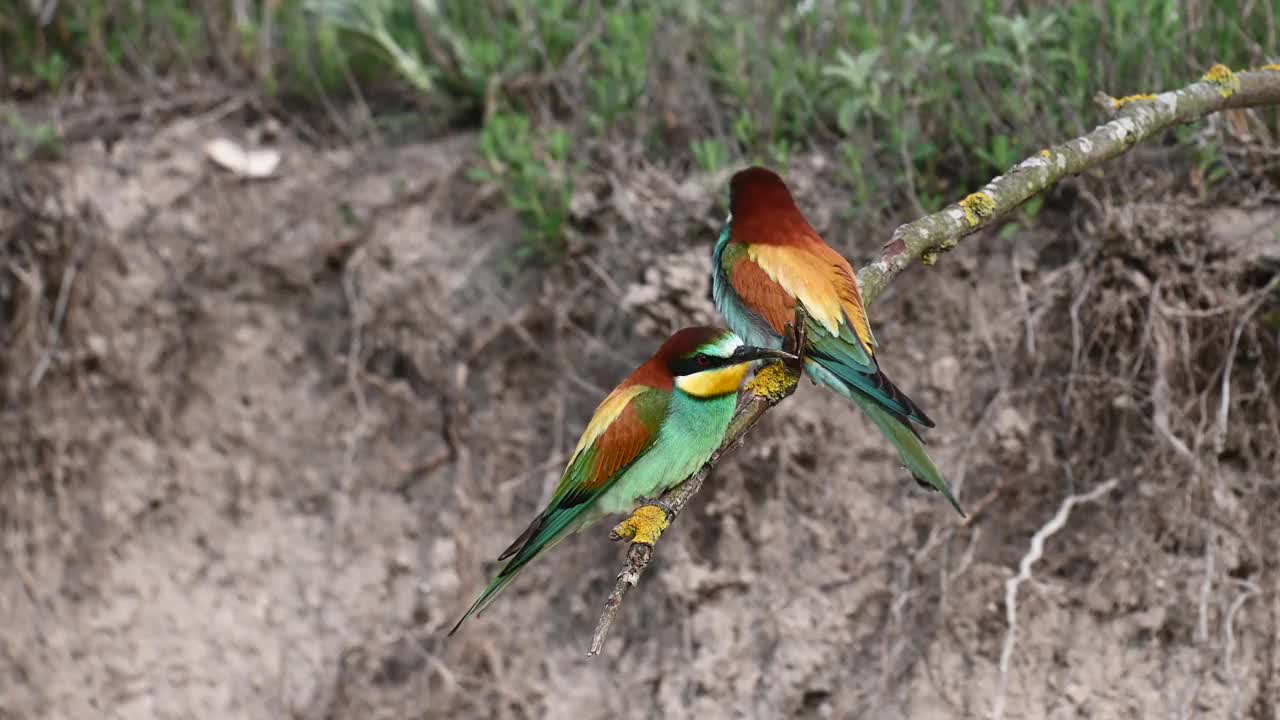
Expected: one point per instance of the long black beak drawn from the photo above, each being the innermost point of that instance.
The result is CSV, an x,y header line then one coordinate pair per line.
x,y
748,353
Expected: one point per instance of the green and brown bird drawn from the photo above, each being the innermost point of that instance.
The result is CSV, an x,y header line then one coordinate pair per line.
x,y
654,430
768,258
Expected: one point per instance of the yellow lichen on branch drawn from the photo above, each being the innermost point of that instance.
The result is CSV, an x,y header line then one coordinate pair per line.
x,y
930,256
1227,82
772,381
977,207
1118,103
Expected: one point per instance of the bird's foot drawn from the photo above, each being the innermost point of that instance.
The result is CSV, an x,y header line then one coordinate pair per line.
x,y
794,336
646,523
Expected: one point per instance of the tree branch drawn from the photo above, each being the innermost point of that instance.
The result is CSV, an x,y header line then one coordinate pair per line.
x,y
1137,118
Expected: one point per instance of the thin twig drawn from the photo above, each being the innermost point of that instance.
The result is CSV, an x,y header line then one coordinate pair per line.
x,y
1224,400
1206,589
1229,647
1024,300
360,428
55,325
1160,389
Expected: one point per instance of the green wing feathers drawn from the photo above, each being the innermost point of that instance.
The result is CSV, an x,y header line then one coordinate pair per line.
x,y
621,433
845,358
548,529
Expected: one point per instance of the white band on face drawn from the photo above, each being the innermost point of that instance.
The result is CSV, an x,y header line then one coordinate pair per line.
x,y
727,343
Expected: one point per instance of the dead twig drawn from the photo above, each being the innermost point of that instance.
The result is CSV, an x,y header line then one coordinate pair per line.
x,y
979,507
1229,643
1160,394
1224,400
359,430
55,326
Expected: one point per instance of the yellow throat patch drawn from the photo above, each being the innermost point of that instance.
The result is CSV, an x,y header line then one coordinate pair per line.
x,y
713,383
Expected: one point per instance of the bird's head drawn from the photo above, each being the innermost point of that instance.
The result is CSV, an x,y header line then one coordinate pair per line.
x,y
710,362
762,210
758,188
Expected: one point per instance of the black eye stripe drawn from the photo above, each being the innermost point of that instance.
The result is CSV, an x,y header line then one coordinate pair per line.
x,y
697,363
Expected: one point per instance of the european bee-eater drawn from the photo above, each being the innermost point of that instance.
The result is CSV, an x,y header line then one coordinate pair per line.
x,y
768,258
650,433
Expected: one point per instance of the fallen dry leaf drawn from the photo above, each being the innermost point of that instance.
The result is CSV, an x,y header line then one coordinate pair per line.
x,y
254,163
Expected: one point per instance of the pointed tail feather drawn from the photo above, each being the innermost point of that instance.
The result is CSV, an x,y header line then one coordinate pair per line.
x,y
544,533
909,445
895,426
490,593
871,382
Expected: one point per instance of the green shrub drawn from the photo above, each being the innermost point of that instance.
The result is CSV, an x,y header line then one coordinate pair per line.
x,y
912,107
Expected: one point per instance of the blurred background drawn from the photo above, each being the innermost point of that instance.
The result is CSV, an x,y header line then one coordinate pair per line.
x,y
305,303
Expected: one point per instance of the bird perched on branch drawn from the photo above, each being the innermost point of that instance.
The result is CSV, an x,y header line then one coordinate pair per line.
x,y
768,258
650,433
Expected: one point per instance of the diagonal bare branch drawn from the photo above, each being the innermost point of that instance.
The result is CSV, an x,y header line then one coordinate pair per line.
x,y
1137,118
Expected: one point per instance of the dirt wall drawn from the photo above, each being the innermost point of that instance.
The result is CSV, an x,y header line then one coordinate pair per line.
x,y
262,440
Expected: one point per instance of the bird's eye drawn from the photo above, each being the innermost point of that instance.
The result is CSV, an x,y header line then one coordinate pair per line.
x,y
702,360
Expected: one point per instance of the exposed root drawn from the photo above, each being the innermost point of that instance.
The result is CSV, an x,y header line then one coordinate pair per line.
x,y
1036,552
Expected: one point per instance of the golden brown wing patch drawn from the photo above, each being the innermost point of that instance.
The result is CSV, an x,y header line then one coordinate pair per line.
x,y
618,446
822,280
606,412
760,293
